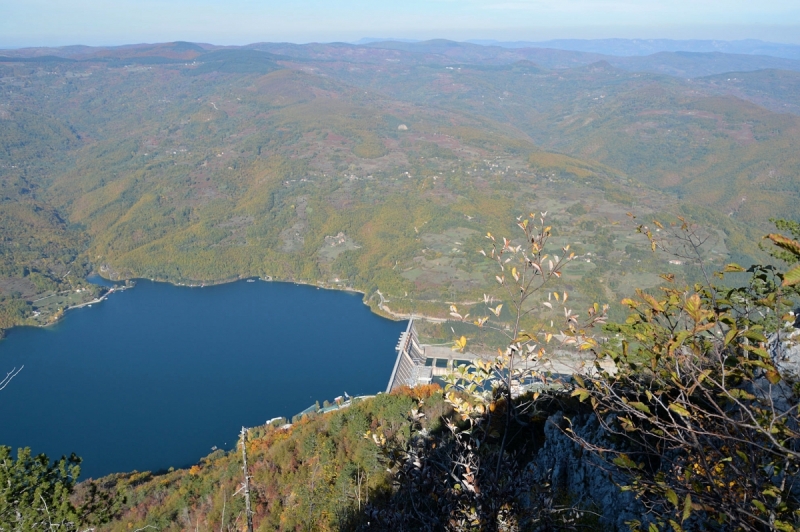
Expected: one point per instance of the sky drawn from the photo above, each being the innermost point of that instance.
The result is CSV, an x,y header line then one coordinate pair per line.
x,y
115,22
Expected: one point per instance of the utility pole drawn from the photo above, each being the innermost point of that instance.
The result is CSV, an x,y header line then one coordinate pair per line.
x,y
247,510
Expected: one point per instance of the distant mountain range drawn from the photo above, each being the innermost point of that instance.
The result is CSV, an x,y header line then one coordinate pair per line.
x,y
682,64
682,59
195,162
637,47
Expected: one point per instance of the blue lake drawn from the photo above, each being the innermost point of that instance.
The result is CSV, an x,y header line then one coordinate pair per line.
x,y
155,376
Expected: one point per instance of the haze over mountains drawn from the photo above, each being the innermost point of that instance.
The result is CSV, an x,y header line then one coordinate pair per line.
x,y
379,166
679,58
633,47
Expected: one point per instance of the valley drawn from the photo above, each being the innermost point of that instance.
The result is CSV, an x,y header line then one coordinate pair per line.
x,y
390,174
376,167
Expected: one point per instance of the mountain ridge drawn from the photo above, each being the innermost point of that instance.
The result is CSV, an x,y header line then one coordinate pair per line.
x,y
227,162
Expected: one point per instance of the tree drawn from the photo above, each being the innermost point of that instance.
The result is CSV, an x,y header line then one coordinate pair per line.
x,y
703,426
470,478
36,494
525,270
707,424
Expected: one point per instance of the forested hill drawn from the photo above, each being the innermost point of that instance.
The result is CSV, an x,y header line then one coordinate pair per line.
x,y
375,166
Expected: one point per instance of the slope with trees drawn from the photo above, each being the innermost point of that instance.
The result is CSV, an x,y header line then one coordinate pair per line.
x,y
187,163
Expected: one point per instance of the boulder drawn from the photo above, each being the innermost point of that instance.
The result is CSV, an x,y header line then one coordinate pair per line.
x,y
784,349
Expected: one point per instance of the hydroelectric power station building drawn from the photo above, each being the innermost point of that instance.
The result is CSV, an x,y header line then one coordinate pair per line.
x,y
417,363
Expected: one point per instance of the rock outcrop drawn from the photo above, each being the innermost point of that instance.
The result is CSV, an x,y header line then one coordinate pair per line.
x,y
580,476
784,348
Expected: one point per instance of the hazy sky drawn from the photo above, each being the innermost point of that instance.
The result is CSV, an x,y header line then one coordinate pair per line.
x,y
61,22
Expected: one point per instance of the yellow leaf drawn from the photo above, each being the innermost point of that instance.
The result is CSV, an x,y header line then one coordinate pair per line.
x,y
733,267
694,308
623,460
741,394
654,304
672,497
792,277
590,343
582,394
460,344
678,409
523,337
687,507
788,244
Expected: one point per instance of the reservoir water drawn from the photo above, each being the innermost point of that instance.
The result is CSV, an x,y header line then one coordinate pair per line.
x,y
155,376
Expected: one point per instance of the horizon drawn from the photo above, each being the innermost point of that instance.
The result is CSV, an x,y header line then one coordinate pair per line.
x,y
47,23
485,41
371,40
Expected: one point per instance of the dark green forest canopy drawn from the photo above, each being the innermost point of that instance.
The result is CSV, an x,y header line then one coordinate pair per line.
x,y
375,167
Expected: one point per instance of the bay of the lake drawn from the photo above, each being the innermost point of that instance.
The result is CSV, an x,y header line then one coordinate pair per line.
x,y
155,376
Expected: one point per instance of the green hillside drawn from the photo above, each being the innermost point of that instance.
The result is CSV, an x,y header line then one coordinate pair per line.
x,y
312,476
375,169
381,168
777,90
680,136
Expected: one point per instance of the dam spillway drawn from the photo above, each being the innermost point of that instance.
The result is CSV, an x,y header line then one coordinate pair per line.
x,y
417,363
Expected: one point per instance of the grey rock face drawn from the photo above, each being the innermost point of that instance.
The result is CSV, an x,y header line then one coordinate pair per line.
x,y
784,348
580,475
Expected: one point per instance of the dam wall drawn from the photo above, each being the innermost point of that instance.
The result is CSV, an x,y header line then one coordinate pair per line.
x,y
409,367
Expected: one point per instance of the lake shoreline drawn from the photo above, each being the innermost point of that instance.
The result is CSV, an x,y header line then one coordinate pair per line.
x,y
184,369
381,309
99,299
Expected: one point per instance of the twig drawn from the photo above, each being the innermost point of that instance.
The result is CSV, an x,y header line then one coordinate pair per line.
x,y
224,503
10,375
